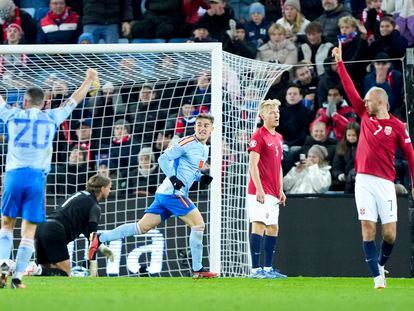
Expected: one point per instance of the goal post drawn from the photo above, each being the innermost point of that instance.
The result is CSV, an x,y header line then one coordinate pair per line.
x,y
153,92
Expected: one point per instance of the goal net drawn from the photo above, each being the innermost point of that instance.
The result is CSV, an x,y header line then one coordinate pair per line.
x,y
147,99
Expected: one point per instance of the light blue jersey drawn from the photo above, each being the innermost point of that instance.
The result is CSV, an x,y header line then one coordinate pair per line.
x,y
31,133
185,159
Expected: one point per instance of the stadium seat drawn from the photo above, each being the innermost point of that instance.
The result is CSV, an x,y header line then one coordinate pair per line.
x,y
148,41
40,13
178,40
31,11
123,40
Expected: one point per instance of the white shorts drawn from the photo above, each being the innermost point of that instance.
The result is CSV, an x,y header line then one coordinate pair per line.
x,y
375,197
267,213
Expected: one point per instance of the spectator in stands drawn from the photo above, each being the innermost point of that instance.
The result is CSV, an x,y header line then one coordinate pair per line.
x,y
217,18
328,79
343,165
86,38
162,19
122,151
278,89
143,179
333,11
12,63
335,113
405,22
163,141
311,9
201,93
371,17
310,175
315,50
273,9
293,123
354,47
192,16
61,25
390,41
308,83
11,14
102,19
201,33
184,125
293,21
104,111
318,136
72,176
278,49
147,115
257,26
84,139
386,77
236,43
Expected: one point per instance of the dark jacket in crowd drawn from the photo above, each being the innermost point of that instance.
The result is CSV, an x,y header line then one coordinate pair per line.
x,y
106,12
329,21
218,24
28,25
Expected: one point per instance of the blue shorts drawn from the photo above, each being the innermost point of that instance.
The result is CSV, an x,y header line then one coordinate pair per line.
x,y
24,195
167,205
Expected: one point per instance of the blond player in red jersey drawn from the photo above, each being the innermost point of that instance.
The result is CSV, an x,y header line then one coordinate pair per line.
x,y
381,134
265,191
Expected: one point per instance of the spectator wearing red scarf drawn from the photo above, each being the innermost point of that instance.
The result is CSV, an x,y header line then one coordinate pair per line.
x,y
11,14
61,25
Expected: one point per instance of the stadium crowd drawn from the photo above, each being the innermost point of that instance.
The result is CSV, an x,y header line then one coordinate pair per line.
x,y
120,131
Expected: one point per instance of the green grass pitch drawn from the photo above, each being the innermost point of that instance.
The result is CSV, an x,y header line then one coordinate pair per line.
x,y
96,294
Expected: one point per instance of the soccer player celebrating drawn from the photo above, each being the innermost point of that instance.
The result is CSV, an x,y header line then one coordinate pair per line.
x,y
381,134
181,164
31,132
80,213
265,190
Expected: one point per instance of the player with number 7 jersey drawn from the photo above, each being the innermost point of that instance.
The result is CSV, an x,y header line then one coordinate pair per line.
x,y
381,134
31,131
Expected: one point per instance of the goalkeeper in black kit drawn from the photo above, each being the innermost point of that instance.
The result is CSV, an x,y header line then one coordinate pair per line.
x,y
80,213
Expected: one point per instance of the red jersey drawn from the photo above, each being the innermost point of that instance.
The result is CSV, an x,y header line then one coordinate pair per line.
x,y
269,146
379,138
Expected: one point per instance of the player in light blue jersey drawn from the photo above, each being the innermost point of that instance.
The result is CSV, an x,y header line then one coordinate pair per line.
x,y
182,164
31,132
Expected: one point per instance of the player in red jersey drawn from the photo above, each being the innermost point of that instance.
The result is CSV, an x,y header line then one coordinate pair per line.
x,y
381,134
265,190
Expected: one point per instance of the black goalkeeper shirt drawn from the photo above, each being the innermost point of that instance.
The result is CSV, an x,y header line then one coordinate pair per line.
x,y
78,214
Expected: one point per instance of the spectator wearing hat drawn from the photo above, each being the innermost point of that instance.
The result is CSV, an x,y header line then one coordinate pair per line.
x,y
293,21
186,119
86,38
333,11
278,49
315,50
257,26
144,178
236,43
217,18
311,174
390,41
11,14
11,62
383,75
192,17
201,33
61,25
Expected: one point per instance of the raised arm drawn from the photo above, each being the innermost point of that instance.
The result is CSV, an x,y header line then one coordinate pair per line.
x,y
82,91
356,101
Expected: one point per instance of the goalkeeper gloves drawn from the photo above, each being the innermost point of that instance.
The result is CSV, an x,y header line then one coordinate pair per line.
x,y
205,180
177,184
106,251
